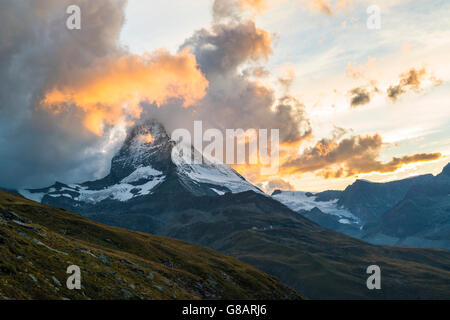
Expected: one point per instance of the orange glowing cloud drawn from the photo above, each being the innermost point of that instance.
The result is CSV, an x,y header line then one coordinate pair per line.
x,y
328,7
112,90
259,6
332,159
349,157
252,171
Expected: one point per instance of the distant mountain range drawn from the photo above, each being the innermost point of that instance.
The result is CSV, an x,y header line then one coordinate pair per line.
x,y
411,212
151,189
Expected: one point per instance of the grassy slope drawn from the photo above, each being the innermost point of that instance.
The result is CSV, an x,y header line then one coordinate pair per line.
x,y
407,273
38,243
321,264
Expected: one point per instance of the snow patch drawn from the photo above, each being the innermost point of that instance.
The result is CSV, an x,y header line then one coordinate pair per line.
x,y
218,191
142,173
35,196
122,191
210,171
298,200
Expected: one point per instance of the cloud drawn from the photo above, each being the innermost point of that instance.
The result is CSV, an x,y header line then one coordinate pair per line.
x,y
362,95
287,77
111,90
322,6
56,83
350,156
357,71
276,184
328,7
258,5
339,132
398,162
411,81
236,10
66,96
232,54
415,80
257,72
37,52
227,46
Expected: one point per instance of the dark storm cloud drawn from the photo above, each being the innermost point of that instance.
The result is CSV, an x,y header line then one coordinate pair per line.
x,y
38,51
233,99
225,47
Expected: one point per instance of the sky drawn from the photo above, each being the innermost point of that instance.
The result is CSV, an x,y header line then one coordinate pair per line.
x,y
323,50
350,102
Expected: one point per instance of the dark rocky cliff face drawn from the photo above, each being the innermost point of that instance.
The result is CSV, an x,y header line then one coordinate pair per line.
x,y
137,151
423,215
368,200
446,171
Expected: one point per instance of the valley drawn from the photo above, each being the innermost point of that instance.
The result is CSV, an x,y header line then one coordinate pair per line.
x,y
212,205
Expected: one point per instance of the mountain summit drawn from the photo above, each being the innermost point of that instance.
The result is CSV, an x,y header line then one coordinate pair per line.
x,y
446,170
148,163
147,145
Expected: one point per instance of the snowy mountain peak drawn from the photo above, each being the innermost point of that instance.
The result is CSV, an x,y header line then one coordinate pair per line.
x,y
149,164
147,144
300,201
141,133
